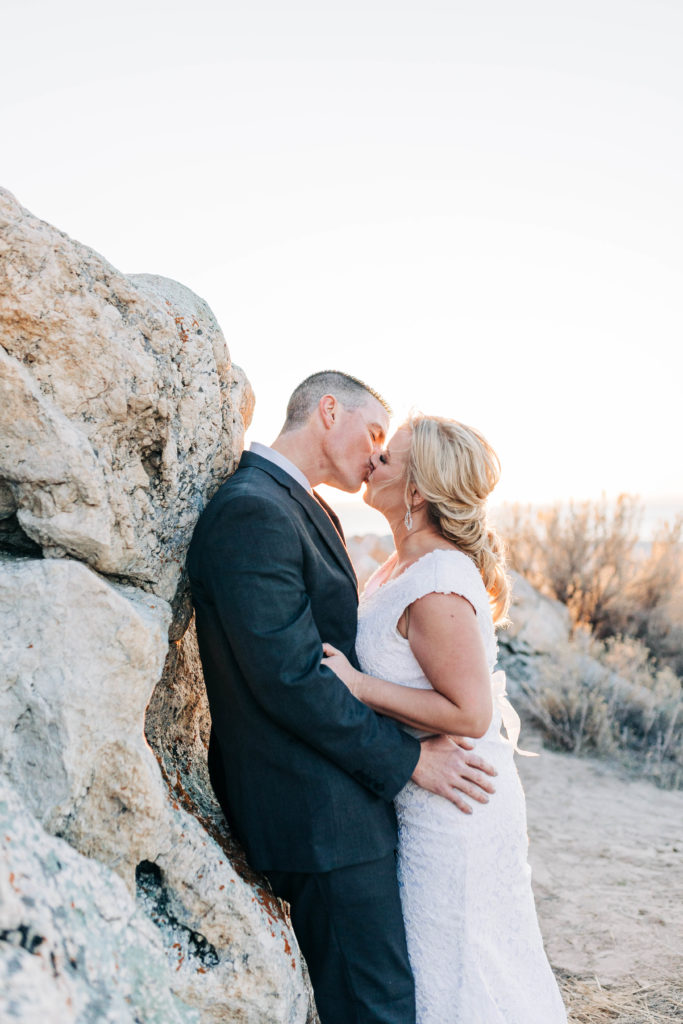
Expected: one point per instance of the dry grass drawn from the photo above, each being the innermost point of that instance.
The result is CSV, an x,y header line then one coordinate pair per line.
x,y
609,698
616,689
589,556
588,1002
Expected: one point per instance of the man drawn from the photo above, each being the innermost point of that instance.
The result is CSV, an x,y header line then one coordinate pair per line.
x,y
306,774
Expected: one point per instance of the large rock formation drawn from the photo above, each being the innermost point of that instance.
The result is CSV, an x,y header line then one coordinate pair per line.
x,y
538,627
119,409
123,897
75,947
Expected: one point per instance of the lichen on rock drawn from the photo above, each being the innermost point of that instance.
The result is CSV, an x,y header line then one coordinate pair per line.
x,y
122,895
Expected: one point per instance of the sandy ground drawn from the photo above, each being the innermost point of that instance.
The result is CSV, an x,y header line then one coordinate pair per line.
x,y
607,859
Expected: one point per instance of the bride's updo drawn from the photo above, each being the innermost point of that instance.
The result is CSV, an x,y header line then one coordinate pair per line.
x,y
454,468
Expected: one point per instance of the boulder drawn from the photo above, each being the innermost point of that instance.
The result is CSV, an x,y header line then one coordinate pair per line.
x,y
123,895
74,946
79,664
539,624
120,411
539,628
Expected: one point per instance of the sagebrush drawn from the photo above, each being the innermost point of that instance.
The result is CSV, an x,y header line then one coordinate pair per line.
x,y
616,687
589,555
610,698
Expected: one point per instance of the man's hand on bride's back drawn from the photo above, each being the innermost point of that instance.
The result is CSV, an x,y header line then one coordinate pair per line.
x,y
448,767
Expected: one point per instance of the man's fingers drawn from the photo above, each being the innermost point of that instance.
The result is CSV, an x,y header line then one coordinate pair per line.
x,y
448,770
464,746
478,762
472,790
460,741
456,798
480,780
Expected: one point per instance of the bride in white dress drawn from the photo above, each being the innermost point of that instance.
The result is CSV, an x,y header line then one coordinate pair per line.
x,y
427,646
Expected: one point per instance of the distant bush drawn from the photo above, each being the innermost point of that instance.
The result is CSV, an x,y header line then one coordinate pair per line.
x,y
609,697
589,556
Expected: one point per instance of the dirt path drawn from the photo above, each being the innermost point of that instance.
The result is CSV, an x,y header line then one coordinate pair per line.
x,y
607,860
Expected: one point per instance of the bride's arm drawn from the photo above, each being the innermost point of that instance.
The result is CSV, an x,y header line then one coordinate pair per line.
x,y
446,642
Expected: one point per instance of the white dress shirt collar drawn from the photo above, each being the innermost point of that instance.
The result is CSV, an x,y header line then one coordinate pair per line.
x,y
282,461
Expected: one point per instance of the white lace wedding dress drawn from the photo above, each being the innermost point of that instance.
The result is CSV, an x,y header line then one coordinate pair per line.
x,y
473,937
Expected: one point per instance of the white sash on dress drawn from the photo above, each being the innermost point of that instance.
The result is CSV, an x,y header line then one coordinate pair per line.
x,y
507,712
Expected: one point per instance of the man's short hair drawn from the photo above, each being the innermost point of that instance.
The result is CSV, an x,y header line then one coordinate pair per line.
x,y
350,391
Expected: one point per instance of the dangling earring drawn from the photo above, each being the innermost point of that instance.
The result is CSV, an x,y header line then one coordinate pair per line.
x,y
408,520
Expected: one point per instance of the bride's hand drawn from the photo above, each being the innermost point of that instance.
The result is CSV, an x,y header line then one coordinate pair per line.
x,y
342,667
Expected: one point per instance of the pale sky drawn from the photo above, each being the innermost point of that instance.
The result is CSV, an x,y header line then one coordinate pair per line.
x,y
476,207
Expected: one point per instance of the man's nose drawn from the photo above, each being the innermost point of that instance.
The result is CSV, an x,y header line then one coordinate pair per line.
x,y
374,458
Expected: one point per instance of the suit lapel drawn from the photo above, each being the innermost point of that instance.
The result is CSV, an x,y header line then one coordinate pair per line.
x,y
318,511
329,511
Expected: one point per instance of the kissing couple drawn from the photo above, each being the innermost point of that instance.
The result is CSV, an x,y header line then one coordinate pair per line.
x,y
353,748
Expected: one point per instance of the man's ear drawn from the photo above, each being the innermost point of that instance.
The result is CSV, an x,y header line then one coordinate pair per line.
x,y
328,407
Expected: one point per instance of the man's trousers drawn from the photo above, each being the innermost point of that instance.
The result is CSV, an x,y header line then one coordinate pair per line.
x,y
349,926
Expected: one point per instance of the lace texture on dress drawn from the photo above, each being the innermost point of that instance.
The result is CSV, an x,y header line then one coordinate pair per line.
x,y
473,937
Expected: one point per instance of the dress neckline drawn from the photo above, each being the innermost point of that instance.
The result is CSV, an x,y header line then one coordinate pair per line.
x,y
427,554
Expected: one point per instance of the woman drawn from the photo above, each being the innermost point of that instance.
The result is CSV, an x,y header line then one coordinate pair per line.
x,y
427,646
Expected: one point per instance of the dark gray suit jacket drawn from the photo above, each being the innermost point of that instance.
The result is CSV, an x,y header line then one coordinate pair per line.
x,y
305,773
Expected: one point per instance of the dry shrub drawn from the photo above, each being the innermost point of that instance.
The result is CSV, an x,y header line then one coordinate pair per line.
x,y
652,605
610,698
589,556
588,1002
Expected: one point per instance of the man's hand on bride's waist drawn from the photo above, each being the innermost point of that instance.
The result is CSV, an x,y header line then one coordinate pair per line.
x,y
448,767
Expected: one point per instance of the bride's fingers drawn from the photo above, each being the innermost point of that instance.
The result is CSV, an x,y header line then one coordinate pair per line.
x,y
329,650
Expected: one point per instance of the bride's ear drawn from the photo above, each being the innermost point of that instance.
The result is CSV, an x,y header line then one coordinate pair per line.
x,y
417,501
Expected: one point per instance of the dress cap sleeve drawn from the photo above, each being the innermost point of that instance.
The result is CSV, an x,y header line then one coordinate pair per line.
x,y
446,572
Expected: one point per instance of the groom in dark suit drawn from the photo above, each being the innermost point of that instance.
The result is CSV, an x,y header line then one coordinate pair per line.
x,y
305,773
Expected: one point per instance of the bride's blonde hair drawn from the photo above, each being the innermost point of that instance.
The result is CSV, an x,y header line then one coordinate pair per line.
x,y
454,468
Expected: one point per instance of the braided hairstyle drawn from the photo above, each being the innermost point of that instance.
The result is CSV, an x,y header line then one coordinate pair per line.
x,y
454,468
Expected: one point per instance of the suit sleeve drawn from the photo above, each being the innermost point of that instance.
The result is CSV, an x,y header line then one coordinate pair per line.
x,y
257,585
